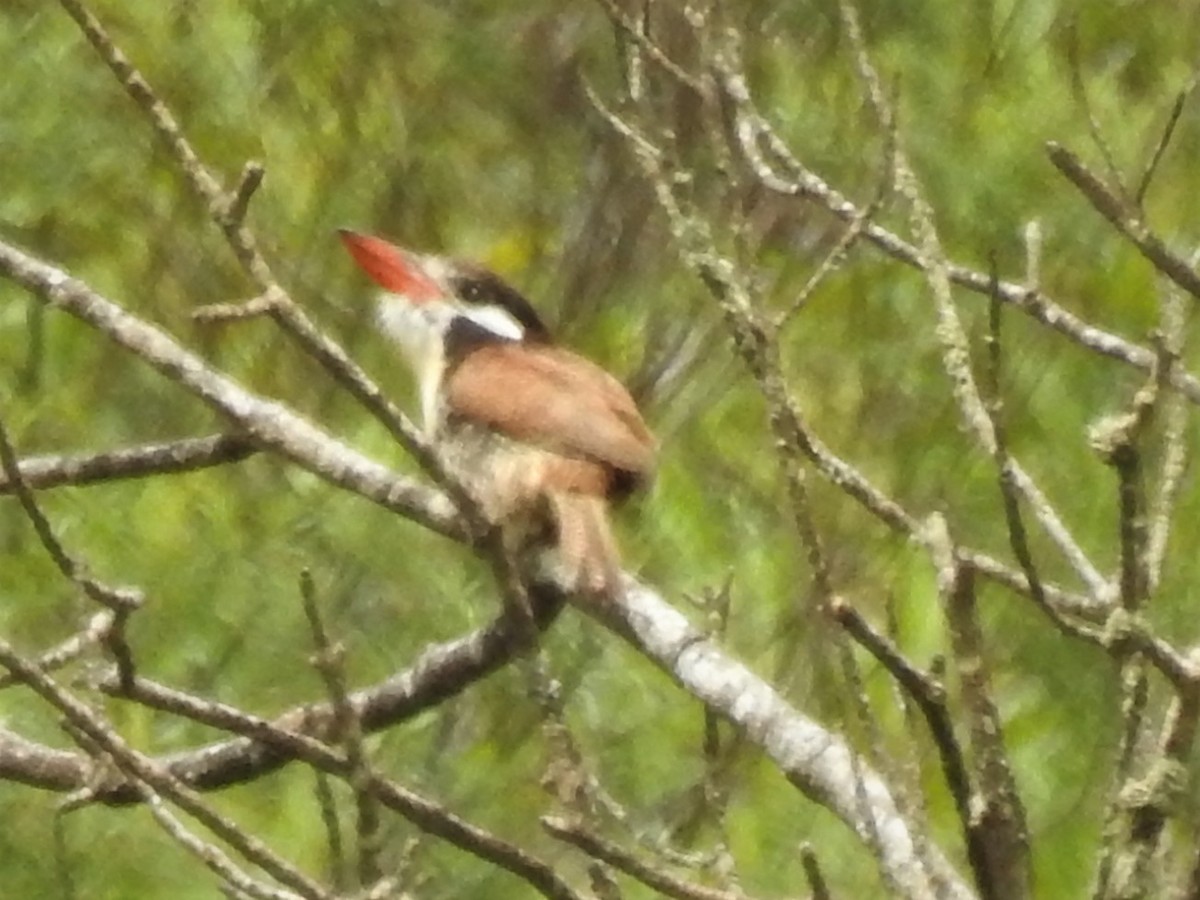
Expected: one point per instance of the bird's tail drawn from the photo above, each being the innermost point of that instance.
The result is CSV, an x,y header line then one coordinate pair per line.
x,y
586,547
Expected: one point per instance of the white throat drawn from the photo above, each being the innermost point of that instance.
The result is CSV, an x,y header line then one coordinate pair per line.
x,y
420,332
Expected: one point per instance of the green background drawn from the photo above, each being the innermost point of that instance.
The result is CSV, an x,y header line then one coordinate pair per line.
x,y
462,127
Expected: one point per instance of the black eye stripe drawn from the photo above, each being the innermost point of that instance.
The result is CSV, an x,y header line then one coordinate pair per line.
x,y
480,287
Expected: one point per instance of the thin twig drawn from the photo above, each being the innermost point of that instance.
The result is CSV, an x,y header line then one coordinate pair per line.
x,y
427,815
1174,440
1031,235
1094,130
812,871
327,803
654,52
665,883
222,313
211,855
834,259
1017,536
239,203
929,694
786,175
236,882
1109,205
329,662
852,684
152,777
221,206
66,652
121,600
950,331
1164,141
1118,441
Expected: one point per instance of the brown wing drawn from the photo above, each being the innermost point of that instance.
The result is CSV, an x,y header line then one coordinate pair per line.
x,y
553,398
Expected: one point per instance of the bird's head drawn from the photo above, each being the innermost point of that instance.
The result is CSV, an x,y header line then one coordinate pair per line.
x,y
431,304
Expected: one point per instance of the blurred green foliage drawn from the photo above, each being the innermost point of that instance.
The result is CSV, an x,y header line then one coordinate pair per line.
x,y
462,127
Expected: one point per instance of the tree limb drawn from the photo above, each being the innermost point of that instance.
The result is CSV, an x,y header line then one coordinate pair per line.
x,y
268,424
813,758
167,458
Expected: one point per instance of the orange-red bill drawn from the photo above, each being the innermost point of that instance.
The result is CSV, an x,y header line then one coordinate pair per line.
x,y
389,266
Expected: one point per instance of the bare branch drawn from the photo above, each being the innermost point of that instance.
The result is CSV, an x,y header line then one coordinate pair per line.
x,y
333,830
1079,89
228,210
811,757
664,883
187,455
929,694
120,600
66,652
797,180
211,855
1174,467
422,812
1126,222
950,331
812,871
441,671
653,51
834,259
265,422
997,813
154,778
329,661
1017,537
1145,806
1164,141
222,313
239,203
720,277
1172,318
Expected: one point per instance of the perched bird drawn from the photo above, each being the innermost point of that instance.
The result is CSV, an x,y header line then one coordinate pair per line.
x,y
543,439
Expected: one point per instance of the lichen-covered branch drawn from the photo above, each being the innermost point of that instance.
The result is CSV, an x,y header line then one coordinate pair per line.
x,y
815,759
165,458
269,424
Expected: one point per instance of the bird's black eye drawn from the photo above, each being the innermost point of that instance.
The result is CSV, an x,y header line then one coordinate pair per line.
x,y
471,292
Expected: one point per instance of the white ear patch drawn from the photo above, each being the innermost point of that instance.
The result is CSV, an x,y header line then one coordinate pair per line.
x,y
496,320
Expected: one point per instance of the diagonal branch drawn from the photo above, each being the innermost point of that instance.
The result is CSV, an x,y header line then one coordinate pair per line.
x,y
440,672
813,758
781,172
721,277
422,812
929,695
148,775
1128,223
951,333
228,212
664,883
120,600
267,423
